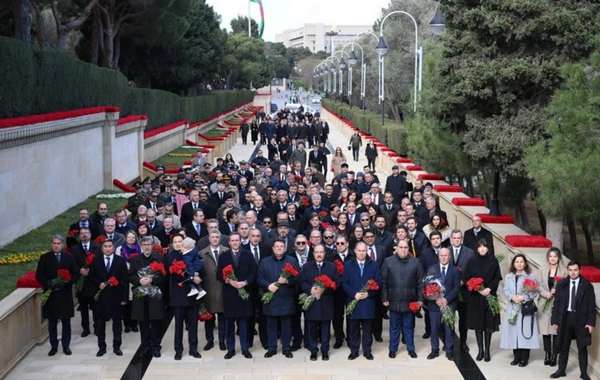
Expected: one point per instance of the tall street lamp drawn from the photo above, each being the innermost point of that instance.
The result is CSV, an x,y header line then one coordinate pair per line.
x,y
342,65
353,60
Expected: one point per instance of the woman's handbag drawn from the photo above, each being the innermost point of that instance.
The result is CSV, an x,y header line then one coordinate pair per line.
x,y
529,309
349,147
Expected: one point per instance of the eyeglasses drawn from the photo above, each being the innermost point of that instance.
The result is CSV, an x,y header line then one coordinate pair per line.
x,y
364,220
340,242
267,222
273,194
328,237
300,243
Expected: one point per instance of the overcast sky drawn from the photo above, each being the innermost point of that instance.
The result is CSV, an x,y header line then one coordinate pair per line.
x,y
289,14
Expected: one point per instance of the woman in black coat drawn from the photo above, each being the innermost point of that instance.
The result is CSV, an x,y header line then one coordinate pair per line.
x,y
371,154
254,132
479,315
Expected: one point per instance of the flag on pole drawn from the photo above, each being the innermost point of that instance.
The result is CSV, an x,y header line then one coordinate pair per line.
x,y
261,27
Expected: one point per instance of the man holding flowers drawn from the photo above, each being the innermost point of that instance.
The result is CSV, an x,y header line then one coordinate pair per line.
x,y
59,305
277,277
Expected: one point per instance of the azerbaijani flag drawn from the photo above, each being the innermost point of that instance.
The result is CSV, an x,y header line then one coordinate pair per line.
x,y
261,27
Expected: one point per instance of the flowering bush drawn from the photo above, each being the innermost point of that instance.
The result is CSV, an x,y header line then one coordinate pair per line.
x,y
20,258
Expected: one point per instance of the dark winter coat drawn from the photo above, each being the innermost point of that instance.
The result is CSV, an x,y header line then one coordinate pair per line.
x,y
60,303
284,301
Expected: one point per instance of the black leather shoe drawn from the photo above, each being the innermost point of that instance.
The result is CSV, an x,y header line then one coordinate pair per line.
x,y
313,356
288,354
368,356
325,356
101,352
418,314
434,354
85,333
558,374
270,353
464,348
523,364
118,352
156,354
127,329
195,354
547,358
338,345
449,356
52,351
222,346
353,355
135,329
426,335
584,376
247,354
208,346
67,351
295,348
229,354
412,354
392,355
178,356
379,339
514,362
402,340
386,316
553,360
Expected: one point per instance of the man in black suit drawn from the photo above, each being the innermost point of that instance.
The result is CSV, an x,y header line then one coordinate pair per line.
x,y
154,224
418,241
59,305
283,231
230,224
460,257
376,253
100,214
84,221
389,210
316,207
196,229
123,225
432,208
259,251
85,296
294,220
421,212
219,196
473,235
258,205
574,317
353,216
187,210
429,257
343,254
245,171
164,233
315,157
150,203
112,297
237,309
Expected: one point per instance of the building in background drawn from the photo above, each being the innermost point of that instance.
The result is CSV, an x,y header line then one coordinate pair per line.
x,y
314,37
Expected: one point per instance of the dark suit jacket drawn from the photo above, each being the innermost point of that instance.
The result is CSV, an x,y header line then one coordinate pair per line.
x,y
323,308
391,217
379,253
157,226
316,160
129,226
428,258
585,307
470,240
187,212
296,224
94,227
245,270
108,305
310,210
451,284
164,237
352,283
177,294
263,250
464,255
191,231
60,302
420,242
80,255
224,228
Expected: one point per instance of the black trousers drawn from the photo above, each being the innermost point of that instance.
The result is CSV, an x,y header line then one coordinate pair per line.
x,y
298,336
101,332
377,325
550,344
318,331
244,138
338,317
65,334
355,334
355,153
85,304
371,163
190,314
568,335
127,321
209,327
151,334
522,354
462,322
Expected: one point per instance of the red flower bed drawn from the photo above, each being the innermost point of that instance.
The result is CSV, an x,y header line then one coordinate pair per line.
x,y
35,119
590,273
131,118
502,219
124,186
468,202
28,281
448,188
151,166
164,128
384,149
207,151
413,167
203,136
190,142
392,154
187,162
528,241
432,177
403,160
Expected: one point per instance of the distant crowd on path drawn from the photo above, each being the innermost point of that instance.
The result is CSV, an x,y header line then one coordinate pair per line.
x,y
257,236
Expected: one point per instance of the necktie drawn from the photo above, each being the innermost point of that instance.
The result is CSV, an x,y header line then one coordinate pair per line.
x,y
292,218
362,269
216,253
455,256
57,257
573,293
236,256
475,232
154,206
319,267
302,259
85,247
371,254
443,273
198,229
437,252
195,206
256,257
221,196
108,264
389,207
110,237
412,244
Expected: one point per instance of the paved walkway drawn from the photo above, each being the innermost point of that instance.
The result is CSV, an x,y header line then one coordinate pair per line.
x,y
84,364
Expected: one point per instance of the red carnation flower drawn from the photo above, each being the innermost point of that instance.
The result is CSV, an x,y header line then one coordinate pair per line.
x,y
414,307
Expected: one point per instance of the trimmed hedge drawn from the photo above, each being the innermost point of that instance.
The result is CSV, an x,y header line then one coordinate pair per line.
x,y
392,134
34,82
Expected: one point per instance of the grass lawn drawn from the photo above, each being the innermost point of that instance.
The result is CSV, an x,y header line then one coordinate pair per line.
x,y
175,162
38,240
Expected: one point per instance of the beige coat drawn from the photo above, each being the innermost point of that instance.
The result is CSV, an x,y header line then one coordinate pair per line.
x,y
336,164
214,288
543,318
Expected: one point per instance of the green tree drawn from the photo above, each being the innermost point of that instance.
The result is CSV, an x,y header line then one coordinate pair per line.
x,y
245,63
281,66
240,25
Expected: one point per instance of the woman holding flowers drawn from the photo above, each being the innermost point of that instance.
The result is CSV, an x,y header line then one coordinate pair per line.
x,y
547,277
519,332
480,317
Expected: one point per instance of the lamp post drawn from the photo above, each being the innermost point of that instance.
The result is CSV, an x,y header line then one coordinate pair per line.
x,y
342,65
353,60
332,70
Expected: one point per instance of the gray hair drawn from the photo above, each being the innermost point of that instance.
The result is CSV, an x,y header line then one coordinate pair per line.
x,y
188,243
57,237
316,196
146,239
214,231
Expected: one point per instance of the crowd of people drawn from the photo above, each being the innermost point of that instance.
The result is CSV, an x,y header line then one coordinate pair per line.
x,y
269,249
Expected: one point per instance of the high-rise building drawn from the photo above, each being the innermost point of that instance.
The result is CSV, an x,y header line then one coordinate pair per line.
x,y
314,36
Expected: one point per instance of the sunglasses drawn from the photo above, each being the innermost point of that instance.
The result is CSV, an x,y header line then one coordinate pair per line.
x,y
300,243
328,237
364,220
340,242
265,222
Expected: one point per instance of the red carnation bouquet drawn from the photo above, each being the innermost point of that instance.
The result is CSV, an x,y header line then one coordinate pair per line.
x,y
89,258
63,277
433,291
475,284
229,273
100,239
339,266
112,282
203,314
414,307
287,272
529,286
322,282
159,249
179,268
153,270
73,234
370,285
548,301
